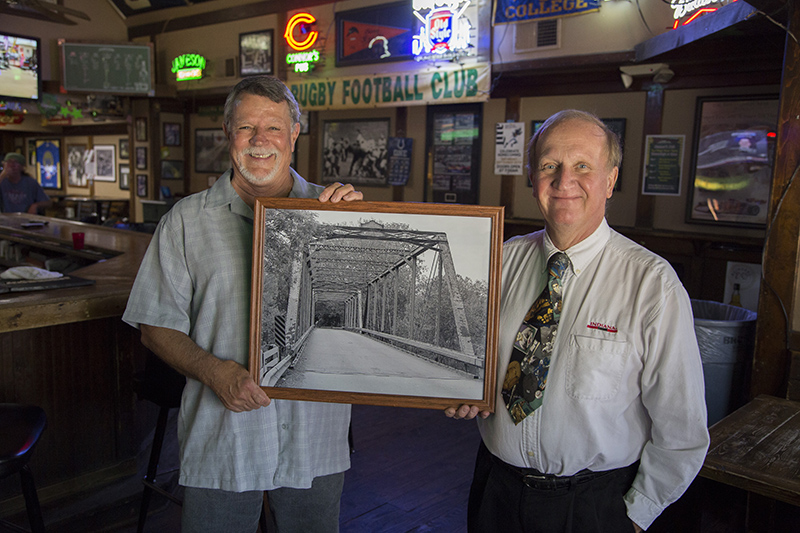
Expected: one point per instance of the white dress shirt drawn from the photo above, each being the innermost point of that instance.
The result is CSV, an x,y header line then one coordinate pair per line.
x,y
195,278
625,380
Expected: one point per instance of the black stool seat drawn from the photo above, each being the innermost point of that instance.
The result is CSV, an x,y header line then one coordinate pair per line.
x,y
20,429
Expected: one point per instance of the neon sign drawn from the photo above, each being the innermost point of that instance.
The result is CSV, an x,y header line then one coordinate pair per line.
x,y
692,8
445,30
302,61
188,67
304,20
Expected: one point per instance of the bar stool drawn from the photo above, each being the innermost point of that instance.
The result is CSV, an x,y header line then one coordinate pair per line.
x,y
161,384
20,429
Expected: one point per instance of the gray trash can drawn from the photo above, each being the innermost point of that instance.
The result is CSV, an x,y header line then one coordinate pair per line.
x,y
726,337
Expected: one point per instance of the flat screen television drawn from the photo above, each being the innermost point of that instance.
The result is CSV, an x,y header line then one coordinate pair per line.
x,y
20,66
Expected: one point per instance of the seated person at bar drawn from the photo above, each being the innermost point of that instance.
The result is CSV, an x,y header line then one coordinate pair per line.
x,y
19,192
601,419
191,300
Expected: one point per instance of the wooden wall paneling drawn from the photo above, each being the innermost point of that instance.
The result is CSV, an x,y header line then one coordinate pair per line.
x,y
654,109
775,306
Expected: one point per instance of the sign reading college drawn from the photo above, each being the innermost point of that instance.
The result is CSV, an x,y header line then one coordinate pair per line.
x,y
439,86
510,11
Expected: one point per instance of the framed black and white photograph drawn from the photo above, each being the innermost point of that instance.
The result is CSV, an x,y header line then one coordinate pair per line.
x,y
731,171
381,303
172,134
106,162
171,169
255,53
141,185
124,176
140,127
211,151
124,149
141,158
77,159
354,151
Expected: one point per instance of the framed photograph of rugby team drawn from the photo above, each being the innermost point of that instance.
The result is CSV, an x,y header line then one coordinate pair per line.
x,y
354,151
381,303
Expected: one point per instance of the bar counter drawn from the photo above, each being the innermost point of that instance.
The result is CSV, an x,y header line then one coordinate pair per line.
x,y
68,351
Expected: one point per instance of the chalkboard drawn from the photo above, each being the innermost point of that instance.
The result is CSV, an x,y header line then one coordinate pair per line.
x,y
107,68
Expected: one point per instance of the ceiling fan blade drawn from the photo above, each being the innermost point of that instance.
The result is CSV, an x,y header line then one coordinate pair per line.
x,y
57,9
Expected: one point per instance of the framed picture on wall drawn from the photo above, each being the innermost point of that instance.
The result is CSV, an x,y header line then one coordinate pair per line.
x,y
141,129
732,157
171,169
124,176
141,185
255,53
354,151
48,163
77,159
172,134
106,162
141,158
333,294
211,151
124,149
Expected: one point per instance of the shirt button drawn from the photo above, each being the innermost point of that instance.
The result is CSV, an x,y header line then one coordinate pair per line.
x,y
531,454
284,426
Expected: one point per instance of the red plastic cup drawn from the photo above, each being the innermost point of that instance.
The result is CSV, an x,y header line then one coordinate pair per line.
x,y
77,240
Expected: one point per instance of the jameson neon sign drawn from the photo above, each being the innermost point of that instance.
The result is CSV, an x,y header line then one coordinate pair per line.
x,y
444,30
188,67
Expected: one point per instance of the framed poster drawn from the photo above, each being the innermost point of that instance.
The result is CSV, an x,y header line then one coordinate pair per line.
x,y
106,162
663,163
375,34
48,163
124,149
77,160
732,156
124,176
255,53
141,158
354,151
141,129
172,134
141,185
343,292
171,169
211,151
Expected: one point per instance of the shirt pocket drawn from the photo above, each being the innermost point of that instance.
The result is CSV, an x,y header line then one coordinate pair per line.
x,y
595,367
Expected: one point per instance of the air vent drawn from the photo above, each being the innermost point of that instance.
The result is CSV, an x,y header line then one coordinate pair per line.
x,y
537,35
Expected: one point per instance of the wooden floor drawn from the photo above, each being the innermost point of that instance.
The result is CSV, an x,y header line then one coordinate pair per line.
x,y
410,473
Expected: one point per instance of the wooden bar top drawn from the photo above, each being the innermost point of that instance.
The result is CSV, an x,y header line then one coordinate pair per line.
x,y
757,448
113,276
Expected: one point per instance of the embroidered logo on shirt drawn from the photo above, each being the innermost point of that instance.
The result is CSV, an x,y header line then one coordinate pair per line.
x,y
601,326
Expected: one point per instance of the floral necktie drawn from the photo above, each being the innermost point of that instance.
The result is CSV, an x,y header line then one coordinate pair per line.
x,y
526,377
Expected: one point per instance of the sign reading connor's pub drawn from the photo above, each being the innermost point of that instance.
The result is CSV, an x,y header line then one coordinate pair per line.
x,y
437,86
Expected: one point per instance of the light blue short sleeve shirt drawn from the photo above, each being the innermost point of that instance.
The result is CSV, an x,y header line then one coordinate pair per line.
x,y
195,278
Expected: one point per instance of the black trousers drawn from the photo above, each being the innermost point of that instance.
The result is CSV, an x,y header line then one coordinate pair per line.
x,y
501,499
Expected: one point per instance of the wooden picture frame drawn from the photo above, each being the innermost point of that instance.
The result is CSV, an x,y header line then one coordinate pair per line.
x,y
106,162
141,158
256,52
141,185
211,151
343,292
141,129
354,151
125,176
172,134
124,148
732,156
77,160
171,169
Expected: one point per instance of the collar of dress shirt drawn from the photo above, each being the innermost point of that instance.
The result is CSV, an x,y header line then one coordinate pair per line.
x,y
581,254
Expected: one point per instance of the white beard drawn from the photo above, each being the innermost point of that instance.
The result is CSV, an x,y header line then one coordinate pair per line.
x,y
252,178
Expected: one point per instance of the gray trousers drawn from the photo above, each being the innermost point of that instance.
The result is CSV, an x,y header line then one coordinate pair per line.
x,y
293,510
